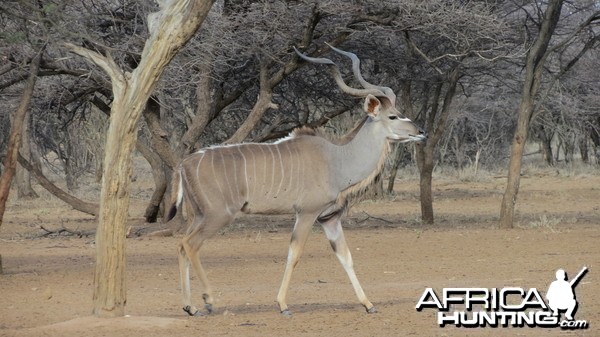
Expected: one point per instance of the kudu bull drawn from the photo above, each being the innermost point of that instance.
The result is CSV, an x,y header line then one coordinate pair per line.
x,y
305,173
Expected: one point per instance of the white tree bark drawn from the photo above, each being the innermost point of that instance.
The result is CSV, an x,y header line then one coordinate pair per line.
x,y
170,29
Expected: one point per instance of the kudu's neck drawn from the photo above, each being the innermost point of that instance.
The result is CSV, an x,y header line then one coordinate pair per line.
x,y
360,158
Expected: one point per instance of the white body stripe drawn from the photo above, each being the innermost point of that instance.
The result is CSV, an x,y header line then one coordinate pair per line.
x,y
180,191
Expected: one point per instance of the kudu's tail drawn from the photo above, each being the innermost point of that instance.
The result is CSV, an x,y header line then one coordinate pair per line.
x,y
176,193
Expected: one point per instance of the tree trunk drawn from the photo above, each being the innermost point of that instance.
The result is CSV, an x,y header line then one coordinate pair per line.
x,y
583,149
109,277
160,181
546,140
14,140
70,175
98,169
436,125
168,162
425,164
169,29
397,159
157,165
23,178
536,58
569,149
159,136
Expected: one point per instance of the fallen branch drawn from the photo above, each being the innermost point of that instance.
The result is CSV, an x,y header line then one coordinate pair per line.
x,y
148,231
372,217
65,231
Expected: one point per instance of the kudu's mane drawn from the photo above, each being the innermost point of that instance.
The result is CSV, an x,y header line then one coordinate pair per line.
x,y
337,140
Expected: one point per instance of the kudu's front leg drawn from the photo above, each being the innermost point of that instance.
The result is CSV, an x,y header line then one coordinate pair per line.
x,y
335,235
304,223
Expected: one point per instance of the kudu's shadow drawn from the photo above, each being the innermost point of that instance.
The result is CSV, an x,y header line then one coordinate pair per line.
x,y
249,309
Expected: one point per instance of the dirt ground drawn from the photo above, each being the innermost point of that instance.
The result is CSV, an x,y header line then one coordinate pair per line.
x,y
46,289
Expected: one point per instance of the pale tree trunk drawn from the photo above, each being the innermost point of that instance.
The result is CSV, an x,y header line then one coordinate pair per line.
x,y
534,67
14,140
158,154
169,29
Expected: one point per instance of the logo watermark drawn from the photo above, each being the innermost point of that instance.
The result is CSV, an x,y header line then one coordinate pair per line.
x,y
508,306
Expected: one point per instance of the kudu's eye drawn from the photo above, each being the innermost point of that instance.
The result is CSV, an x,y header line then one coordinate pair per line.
x,y
392,117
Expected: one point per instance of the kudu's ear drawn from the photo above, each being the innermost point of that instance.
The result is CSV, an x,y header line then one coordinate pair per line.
x,y
372,106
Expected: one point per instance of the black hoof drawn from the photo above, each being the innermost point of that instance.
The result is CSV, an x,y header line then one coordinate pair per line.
x,y
196,313
286,313
371,310
208,307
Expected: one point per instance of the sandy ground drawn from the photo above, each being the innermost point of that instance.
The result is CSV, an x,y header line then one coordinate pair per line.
x,y
46,289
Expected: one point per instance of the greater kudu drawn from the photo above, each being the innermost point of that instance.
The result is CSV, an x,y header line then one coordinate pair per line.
x,y
304,173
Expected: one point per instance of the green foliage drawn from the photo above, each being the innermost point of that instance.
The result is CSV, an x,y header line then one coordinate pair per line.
x,y
49,8
13,38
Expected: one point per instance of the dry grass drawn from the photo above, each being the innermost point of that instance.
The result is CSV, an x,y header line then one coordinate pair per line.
x,y
546,222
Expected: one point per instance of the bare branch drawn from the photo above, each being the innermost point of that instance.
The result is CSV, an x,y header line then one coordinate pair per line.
x,y
107,63
594,17
416,49
76,203
262,104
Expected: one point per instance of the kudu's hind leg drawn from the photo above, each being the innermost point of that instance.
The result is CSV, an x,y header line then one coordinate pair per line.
x,y
335,235
304,223
184,275
189,253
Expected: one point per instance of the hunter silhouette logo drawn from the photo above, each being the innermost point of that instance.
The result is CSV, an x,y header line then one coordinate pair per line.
x,y
561,293
508,306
